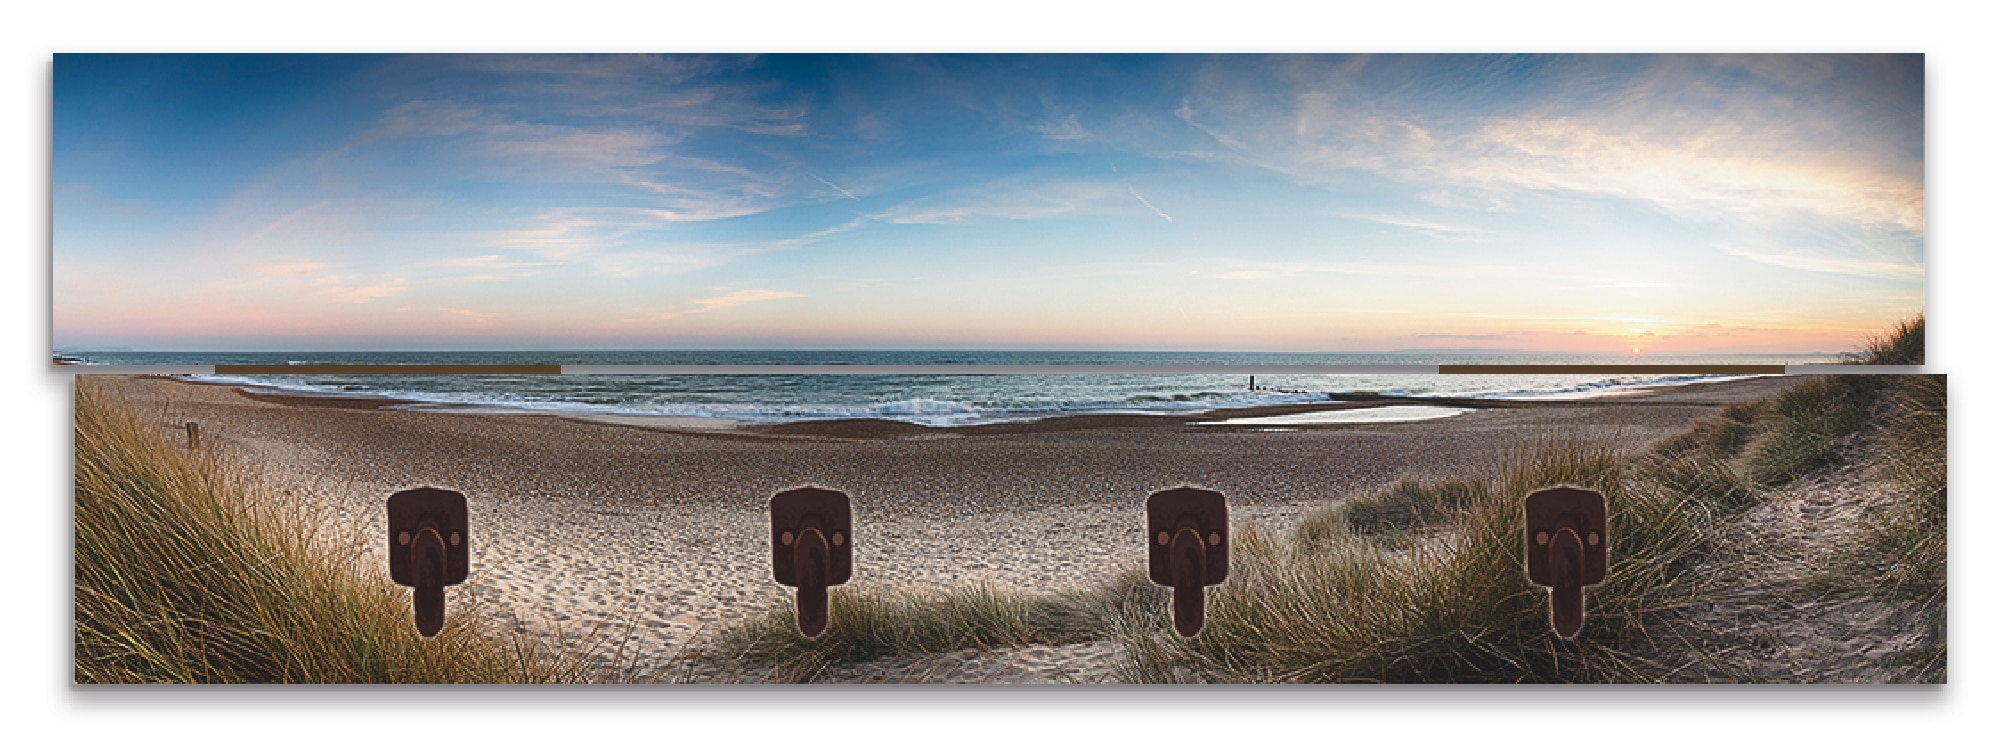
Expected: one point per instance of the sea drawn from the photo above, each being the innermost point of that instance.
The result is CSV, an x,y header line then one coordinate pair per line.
x,y
926,399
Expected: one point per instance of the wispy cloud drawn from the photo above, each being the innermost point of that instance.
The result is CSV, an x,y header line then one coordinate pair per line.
x,y
665,259
492,262
1697,171
604,139
415,118
1460,336
815,236
708,211
684,189
575,74
679,258
1239,269
262,224
289,267
1149,205
490,267
1456,200
1001,201
1805,260
721,302
1804,144
562,234
548,150
1187,114
977,213
837,188
742,297
1427,226
674,91
488,143
472,316
341,288
1063,129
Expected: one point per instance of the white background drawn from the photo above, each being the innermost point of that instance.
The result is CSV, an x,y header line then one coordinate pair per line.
x,y
1961,47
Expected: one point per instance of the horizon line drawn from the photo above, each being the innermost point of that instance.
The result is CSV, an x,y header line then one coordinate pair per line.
x,y
1522,351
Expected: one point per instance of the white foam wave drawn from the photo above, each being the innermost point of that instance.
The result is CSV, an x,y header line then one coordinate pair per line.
x,y
929,411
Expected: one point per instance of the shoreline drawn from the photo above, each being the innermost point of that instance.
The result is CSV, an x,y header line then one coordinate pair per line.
x,y
840,451
883,427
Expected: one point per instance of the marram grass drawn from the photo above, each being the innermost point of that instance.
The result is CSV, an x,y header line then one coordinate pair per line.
x,y
868,623
1446,607
185,575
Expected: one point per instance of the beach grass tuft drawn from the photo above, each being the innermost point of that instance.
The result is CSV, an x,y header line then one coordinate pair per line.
x,y
1333,603
186,573
1901,345
1901,555
1804,426
1910,537
1407,506
867,624
1451,605
1699,475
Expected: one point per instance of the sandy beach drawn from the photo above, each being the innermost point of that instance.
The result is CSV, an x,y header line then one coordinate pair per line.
x,y
657,530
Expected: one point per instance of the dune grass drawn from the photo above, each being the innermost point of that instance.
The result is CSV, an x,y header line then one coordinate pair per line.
x,y
1902,557
184,574
1405,507
1899,557
1901,345
868,623
1805,424
1450,607
1913,534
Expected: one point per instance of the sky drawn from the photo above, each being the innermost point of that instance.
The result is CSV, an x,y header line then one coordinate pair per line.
x,y
1648,204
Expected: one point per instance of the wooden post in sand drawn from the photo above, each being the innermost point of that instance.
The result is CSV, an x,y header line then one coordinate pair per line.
x,y
194,435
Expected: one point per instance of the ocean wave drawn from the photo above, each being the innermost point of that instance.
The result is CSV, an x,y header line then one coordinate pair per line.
x,y
926,408
1614,385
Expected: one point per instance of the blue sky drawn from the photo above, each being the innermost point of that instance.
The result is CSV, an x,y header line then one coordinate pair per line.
x,y
1609,203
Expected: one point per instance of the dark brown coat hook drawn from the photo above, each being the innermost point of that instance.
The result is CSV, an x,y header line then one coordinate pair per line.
x,y
812,547
1187,530
1568,542
429,540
